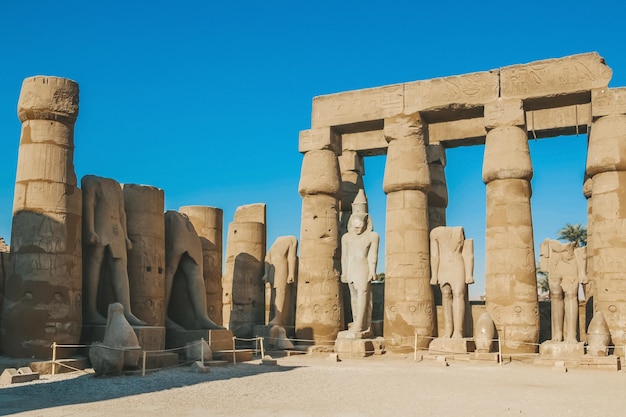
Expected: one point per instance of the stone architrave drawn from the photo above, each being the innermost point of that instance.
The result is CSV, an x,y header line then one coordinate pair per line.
x,y
146,260
606,165
511,282
243,288
319,311
208,222
408,294
43,290
183,263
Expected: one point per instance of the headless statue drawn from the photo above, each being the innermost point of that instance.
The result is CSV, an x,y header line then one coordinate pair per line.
x,y
183,250
452,267
280,273
565,265
105,239
359,256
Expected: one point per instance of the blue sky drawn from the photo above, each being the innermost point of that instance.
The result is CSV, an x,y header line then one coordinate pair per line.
x,y
205,99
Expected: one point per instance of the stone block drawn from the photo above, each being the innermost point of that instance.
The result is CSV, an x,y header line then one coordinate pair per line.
x,y
555,79
160,360
371,142
317,139
608,101
566,120
487,357
610,363
357,106
457,92
458,132
217,339
62,366
504,113
16,376
250,213
238,355
354,347
350,160
561,350
446,345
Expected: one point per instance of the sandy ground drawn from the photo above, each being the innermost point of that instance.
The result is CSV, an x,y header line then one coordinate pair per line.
x,y
389,385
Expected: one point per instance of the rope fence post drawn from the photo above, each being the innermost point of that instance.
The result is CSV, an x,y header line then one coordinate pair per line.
x,y
202,350
415,348
234,353
500,347
143,365
54,358
262,347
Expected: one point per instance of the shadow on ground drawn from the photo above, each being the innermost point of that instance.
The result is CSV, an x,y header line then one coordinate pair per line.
x,y
89,388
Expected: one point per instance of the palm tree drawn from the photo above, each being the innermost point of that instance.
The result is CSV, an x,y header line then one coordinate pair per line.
x,y
575,233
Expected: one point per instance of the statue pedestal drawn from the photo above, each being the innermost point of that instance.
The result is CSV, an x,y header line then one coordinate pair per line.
x,y
353,344
611,363
562,350
217,339
449,345
150,337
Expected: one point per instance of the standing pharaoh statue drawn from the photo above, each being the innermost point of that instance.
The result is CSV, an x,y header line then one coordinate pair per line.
x,y
565,265
452,267
105,238
359,257
280,273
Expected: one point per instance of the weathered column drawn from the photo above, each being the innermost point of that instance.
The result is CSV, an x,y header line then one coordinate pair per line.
x,y
438,193
606,165
511,282
244,289
43,291
352,171
319,311
408,294
589,287
145,223
208,223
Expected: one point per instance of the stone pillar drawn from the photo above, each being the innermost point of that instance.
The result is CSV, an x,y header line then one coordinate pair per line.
x,y
511,281
208,223
588,288
244,289
319,311
145,223
408,294
438,193
606,165
44,288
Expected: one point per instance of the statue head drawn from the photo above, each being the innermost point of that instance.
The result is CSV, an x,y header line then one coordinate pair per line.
x,y
358,223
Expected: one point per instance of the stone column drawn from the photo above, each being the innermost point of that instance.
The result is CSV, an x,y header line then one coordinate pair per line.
x,y
319,311
208,223
438,193
587,190
606,165
145,223
408,294
244,289
511,281
44,288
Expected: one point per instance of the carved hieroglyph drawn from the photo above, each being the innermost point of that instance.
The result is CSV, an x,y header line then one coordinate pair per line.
x,y
146,260
408,295
452,268
319,312
280,272
208,222
511,282
243,288
43,289
606,165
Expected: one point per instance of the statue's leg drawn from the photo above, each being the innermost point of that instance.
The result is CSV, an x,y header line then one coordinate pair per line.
x,y
557,311
458,310
171,266
121,288
93,259
197,294
353,303
571,316
361,309
279,305
446,304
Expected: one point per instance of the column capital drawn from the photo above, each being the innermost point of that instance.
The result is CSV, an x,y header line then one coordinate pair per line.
x,y
320,174
319,139
607,102
504,112
48,98
404,126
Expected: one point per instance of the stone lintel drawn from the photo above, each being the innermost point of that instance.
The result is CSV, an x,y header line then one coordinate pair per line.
x,y
608,101
316,139
504,112
366,143
555,79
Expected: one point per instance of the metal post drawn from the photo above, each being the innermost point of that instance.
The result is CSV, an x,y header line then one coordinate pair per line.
x,y
54,358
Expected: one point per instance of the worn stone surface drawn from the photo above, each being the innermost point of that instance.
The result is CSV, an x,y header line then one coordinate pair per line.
x,y
484,333
208,222
149,337
243,287
608,101
146,260
280,273
447,345
318,139
43,287
438,193
562,350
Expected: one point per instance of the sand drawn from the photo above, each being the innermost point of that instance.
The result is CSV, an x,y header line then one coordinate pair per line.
x,y
388,385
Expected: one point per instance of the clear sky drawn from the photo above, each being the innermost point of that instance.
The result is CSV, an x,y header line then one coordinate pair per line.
x,y
205,99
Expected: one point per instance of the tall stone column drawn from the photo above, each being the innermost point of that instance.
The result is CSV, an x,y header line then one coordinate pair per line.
x,y
511,281
589,287
208,222
145,223
319,311
408,294
244,289
606,165
438,193
44,288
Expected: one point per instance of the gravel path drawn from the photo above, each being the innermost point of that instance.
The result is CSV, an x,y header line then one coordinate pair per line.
x,y
314,387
